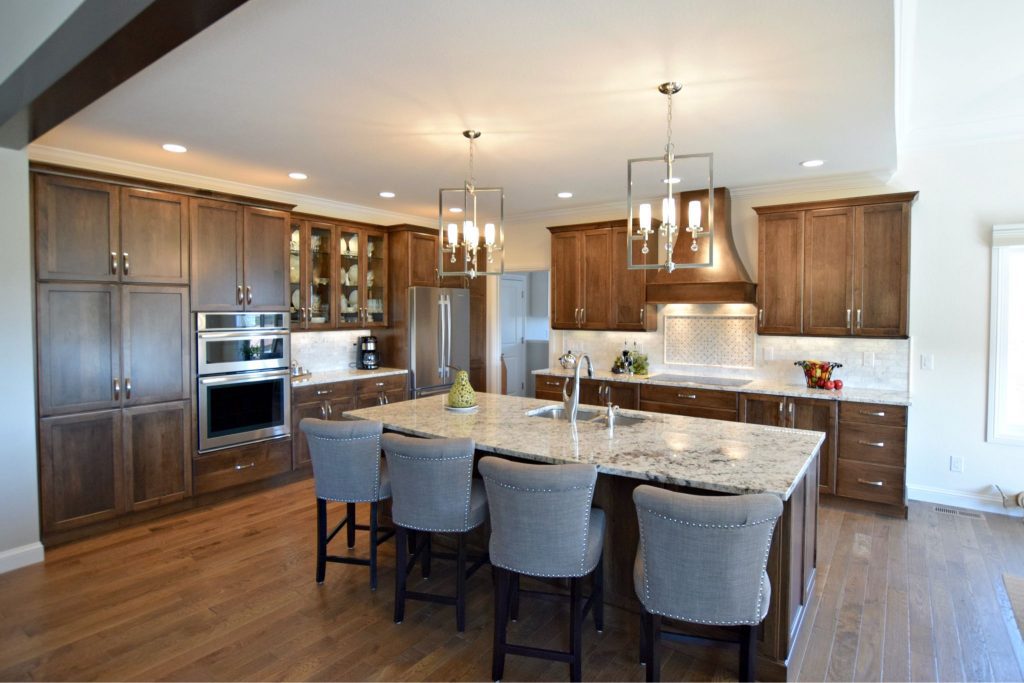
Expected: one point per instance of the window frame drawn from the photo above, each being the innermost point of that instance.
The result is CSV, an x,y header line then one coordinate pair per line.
x,y
1006,240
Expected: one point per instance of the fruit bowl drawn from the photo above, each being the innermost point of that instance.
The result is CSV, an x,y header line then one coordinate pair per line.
x,y
816,371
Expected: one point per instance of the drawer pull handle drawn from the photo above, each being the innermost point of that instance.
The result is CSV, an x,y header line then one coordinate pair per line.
x,y
322,392
873,444
245,467
124,263
378,384
879,413
128,387
692,397
552,384
871,483
113,263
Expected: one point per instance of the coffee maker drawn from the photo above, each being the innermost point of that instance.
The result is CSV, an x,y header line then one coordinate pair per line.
x,y
366,355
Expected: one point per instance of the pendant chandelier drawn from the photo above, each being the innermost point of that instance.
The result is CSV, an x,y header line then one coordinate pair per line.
x,y
459,254
654,176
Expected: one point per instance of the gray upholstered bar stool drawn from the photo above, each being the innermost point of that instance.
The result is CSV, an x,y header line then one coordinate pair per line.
x,y
347,468
433,491
543,525
702,560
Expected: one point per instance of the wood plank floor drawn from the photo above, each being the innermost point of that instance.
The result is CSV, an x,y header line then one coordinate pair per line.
x,y
227,593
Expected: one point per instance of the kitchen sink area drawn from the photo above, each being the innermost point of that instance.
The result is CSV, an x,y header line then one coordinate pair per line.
x,y
584,415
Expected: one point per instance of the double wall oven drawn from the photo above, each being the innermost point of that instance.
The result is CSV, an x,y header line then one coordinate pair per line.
x,y
244,384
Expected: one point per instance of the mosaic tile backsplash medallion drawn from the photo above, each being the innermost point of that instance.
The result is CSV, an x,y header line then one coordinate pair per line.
x,y
725,341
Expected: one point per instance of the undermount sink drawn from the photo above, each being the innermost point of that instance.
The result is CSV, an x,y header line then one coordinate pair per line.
x,y
583,415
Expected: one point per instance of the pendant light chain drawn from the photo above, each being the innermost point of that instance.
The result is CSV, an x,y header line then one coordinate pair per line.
x,y
669,147
472,178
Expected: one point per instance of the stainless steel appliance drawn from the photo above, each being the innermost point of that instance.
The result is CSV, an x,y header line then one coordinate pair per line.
x,y
244,382
367,358
438,338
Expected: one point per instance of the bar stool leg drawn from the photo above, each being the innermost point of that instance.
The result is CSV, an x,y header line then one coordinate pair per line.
x,y
425,557
460,585
373,546
652,634
597,591
401,559
514,598
321,539
748,653
350,524
576,629
501,590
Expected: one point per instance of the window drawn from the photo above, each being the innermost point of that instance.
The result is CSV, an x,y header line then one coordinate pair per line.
x,y
1006,347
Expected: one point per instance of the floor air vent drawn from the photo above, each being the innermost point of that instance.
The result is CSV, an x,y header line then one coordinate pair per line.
x,y
958,512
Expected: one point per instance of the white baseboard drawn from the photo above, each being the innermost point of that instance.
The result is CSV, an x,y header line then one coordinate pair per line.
x,y
22,556
971,501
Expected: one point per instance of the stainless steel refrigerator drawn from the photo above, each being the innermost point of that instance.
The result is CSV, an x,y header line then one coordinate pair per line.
x,y
438,338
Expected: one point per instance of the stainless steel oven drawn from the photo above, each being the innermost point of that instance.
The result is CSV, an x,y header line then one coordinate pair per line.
x,y
244,385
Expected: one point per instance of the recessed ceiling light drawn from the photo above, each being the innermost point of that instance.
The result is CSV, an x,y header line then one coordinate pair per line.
x,y
812,163
670,181
177,149
387,195
455,209
297,175
565,195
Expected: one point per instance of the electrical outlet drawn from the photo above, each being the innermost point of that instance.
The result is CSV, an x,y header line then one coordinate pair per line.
x,y
769,353
869,359
956,463
927,361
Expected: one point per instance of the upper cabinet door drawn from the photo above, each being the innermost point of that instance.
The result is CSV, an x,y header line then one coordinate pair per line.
x,y
266,259
376,279
319,286
630,310
155,332
780,272
596,298
422,260
350,298
882,270
154,237
298,273
828,271
216,250
79,348
566,274
76,224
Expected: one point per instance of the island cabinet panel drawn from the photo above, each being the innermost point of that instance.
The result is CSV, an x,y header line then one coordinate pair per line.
x,y
157,453
763,409
817,415
216,255
780,258
706,403
154,237
598,392
76,228
81,475
79,347
566,280
828,271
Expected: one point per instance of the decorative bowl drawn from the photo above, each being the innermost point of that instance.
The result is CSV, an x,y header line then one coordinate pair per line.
x,y
817,371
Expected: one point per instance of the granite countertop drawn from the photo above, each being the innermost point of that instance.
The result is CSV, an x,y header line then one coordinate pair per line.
x,y
346,375
886,396
714,455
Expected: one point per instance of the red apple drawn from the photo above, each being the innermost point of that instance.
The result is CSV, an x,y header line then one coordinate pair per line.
x,y
821,384
830,385
838,383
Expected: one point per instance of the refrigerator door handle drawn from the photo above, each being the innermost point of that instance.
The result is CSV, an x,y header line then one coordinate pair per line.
x,y
448,332
440,336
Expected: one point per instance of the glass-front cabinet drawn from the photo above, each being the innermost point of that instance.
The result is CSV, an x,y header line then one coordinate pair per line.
x,y
338,275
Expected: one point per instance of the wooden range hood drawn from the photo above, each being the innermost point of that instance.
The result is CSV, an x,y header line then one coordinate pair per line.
x,y
726,282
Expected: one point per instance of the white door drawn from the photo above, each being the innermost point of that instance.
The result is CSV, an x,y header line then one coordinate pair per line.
x,y
512,299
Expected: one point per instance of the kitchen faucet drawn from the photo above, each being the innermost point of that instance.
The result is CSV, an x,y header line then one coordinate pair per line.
x,y
572,403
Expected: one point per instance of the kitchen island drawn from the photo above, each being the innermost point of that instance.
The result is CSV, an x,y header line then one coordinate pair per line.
x,y
680,453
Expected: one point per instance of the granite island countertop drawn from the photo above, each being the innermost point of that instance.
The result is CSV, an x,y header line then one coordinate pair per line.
x,y
883,396
346,375
714,455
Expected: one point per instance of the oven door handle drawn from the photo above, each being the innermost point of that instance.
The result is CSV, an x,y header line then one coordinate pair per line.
x,y
243,335
245,377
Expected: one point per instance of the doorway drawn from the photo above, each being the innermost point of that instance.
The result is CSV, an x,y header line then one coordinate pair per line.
x,y
523,313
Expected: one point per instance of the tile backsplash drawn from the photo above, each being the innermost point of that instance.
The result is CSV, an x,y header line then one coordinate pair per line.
x,y
690,341
323,351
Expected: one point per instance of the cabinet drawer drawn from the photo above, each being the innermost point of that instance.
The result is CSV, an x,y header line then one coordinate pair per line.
x,y
685,396
689,411
873,413
318,392
866,481
550,386
376,398
374,385
241,465
873,443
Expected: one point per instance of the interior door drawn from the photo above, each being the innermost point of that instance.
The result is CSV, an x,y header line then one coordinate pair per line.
x,y
512,311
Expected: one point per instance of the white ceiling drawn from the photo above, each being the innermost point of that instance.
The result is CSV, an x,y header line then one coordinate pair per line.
x,y
367,96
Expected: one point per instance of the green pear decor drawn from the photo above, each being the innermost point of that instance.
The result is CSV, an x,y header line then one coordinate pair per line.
x,y
462,394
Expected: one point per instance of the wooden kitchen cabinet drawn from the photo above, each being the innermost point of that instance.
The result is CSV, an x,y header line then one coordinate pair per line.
x,y
154,237
157,445
239,257
592,287
871,456
598,392
155,344
712,404
835,268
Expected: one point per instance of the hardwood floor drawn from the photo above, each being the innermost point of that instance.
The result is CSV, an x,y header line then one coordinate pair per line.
x,y
227,593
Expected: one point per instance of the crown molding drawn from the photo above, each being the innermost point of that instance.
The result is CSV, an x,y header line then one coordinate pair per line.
x,y
839,182
303,203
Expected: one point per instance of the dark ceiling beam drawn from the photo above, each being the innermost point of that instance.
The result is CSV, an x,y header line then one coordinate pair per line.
x,y
101,45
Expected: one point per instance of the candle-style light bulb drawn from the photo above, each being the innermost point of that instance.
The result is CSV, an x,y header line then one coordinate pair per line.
x,y
694,212
453,234
489,234
645,218
668,212
471,234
